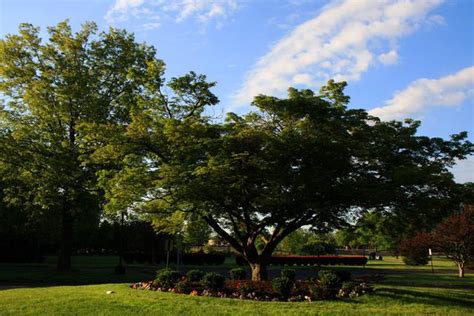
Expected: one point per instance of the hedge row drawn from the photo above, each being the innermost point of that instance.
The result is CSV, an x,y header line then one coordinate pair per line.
x,y
312,260
186,258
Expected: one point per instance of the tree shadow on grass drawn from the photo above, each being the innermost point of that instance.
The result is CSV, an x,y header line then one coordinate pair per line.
x,y
418,297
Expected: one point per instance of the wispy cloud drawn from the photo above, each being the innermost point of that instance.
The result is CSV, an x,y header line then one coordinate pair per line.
x,y
423,93
149,12
341,42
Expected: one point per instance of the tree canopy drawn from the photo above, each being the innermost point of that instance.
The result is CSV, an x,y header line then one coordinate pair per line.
x,y
88,118
306,160
52,92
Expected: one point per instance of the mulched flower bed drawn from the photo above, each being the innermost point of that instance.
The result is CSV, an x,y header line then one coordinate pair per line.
x,y
262,290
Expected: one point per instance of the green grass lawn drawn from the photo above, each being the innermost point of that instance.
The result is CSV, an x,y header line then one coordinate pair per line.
x,y
93,300
405,290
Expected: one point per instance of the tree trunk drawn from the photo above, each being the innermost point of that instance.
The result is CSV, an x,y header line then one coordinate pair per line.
x,y
259,271
461,270
64,259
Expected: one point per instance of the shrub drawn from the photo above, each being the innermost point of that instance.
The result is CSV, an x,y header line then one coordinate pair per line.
x,y
346,289
328,285
238,274
415,249
329,278
246,288
195,275
213,281
183,287
320,292
288,273
167,278
282,286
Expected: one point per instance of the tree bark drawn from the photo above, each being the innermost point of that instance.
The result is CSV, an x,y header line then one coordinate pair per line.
x,y
64,259
259,271
461,270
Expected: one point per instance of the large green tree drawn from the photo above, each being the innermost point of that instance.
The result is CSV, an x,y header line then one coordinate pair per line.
x,y
306,160
53,93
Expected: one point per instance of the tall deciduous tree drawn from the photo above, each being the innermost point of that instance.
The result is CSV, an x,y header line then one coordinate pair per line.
x,y
455,238
51,92
304,160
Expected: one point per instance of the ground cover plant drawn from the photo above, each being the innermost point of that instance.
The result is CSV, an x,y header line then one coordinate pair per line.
x,y
327,285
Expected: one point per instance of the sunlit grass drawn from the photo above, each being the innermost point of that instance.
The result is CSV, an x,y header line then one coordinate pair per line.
x,y
93,300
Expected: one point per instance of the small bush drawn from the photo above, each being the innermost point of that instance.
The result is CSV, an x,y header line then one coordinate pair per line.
x,y
183,287
238,274
329,279
246,289
167,278
320,292
282,286
195,275
346,289
213,281
415,249
288,273
328,285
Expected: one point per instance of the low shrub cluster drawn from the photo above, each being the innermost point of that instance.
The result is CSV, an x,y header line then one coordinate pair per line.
x,y
312,260
327,285
195,275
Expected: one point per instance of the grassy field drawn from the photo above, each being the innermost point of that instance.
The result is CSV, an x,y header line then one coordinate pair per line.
x,y
403,291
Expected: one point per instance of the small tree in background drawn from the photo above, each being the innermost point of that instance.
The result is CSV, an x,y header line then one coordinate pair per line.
x,y
415,249
196,232
455,238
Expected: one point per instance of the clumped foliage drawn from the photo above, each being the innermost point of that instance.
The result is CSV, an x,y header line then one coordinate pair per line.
x,y
167,278
306,160
213,281
238,274
288,273
304,242
61,99
195,275
331,284
328,278
282,286
415,249
196,231
455,238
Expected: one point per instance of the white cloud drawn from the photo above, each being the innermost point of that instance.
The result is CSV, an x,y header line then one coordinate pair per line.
x,y
464,170
149,11
389,58
341,42
450,90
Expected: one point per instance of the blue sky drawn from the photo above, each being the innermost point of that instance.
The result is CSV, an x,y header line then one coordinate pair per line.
x,y
401,58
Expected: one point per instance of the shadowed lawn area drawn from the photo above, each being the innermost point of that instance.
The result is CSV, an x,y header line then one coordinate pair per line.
x,y
404,290
100,269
